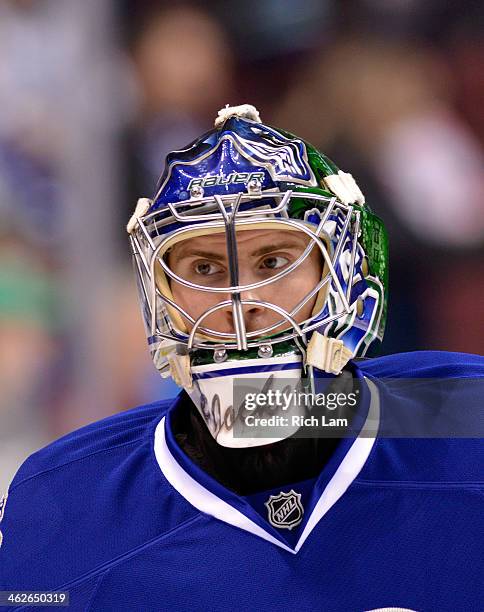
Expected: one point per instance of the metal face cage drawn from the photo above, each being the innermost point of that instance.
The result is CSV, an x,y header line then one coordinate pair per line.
x,y
331,227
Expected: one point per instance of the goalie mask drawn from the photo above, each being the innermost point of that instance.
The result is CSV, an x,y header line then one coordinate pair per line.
x,y
242,184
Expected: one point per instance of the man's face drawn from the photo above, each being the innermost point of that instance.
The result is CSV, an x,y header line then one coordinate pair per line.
x,y
262,254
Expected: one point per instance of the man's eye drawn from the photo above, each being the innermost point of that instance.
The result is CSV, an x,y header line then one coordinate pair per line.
x,y
274,262
206,268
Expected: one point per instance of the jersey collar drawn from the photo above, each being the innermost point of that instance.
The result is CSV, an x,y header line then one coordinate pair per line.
x,y
207,495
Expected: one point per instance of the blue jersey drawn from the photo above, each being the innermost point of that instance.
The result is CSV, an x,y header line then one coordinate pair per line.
x,y
117,515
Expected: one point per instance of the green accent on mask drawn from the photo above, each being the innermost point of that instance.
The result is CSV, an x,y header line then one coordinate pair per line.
x,y
375,243
205,356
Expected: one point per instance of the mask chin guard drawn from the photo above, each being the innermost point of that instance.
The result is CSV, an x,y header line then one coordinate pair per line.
x,y
326,354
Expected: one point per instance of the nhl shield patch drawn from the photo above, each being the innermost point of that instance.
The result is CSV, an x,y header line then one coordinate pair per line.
x,y
285,510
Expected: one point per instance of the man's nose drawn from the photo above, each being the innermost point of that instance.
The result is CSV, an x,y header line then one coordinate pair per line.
x,y
255,315
252,310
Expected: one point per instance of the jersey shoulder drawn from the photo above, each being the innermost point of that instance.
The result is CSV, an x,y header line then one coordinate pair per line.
x,y
424,364
101,483
97,438
430,418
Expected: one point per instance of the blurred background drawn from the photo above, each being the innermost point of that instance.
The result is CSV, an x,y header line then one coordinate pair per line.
x,y
93,95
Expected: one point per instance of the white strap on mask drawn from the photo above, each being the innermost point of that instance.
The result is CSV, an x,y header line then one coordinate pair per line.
x,y
327,354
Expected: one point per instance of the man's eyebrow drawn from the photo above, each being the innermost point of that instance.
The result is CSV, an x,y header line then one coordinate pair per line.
x,y
198,253
268,248
277,246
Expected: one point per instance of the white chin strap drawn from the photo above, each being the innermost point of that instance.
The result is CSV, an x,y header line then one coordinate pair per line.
x,y
327,354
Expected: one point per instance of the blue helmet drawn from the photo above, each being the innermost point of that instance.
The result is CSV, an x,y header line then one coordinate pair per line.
x,y
247,175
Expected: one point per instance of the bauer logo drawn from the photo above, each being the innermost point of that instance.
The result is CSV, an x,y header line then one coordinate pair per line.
x,y
220,179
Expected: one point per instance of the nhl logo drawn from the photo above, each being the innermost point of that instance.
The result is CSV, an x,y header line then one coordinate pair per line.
x,y
285,510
